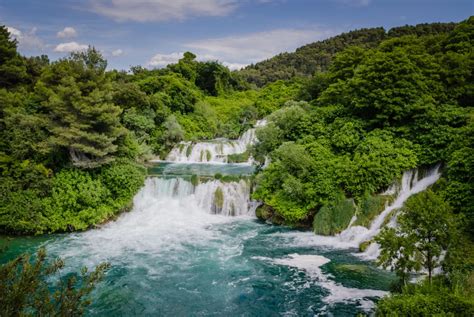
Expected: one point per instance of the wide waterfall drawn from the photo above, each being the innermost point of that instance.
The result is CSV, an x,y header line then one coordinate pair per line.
x,y
213,151
212,196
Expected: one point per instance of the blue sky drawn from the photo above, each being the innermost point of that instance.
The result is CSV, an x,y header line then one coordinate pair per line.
x,y
153,33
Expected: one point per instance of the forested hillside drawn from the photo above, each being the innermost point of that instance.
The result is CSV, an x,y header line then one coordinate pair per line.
x,y
373,114
316,57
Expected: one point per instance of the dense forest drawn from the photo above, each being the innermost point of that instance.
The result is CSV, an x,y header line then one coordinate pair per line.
x,y
316,57
346,117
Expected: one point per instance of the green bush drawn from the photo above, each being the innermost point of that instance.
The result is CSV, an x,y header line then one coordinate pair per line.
x,y
434,303
76,199
369,208
123,179
334,217
238,158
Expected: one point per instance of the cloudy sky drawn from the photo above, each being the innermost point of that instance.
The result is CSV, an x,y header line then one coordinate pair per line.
x,y
154,33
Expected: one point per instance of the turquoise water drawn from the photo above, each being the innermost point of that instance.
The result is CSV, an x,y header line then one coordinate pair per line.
x,y
170,257
224,276
200,169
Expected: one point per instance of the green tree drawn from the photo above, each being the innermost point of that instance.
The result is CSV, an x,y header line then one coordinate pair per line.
x,y
426,228
25,291
82,116
388,89
12,65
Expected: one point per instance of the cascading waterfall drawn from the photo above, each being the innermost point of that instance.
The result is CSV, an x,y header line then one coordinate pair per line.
x,y
214,151
410,185
214,196
353,236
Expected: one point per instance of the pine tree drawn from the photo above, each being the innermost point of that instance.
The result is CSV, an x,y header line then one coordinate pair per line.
x,y
82,118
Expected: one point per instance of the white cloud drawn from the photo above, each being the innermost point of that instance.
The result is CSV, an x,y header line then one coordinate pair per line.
x,y
161,60
14,32
117,52
234,66
241,50
26,40
67,32
161,10
70,47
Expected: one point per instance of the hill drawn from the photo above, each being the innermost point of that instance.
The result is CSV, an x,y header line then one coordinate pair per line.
x,y
308,59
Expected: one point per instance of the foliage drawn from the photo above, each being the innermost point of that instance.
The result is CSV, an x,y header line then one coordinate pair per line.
x,y
378,161
82,118
334,217
424,299
72,200
26,292
318,56
12,65
370,207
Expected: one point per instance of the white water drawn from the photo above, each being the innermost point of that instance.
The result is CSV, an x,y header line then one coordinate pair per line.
x,y
214,151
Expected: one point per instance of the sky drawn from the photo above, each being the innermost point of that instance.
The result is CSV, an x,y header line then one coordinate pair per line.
x,y
153,33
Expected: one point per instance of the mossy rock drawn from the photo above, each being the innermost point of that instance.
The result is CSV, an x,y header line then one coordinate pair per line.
x,y
238,158
370,207
364,245
334,218
219,198
189,150
389,217
195,180
264,212
208,155
356,268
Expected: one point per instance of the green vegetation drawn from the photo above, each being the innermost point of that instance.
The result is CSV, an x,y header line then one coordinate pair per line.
x,y
218,198
376,111
370,207
318,56
346,117
239,158
426,228
334,217
25,290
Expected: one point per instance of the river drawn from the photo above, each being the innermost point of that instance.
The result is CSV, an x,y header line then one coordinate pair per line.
x,y
185,250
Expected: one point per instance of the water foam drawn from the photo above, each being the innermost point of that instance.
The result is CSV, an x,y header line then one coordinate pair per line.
x,y
311,264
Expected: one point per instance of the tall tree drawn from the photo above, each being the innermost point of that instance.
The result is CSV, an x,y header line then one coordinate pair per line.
x,y
12,65
77,96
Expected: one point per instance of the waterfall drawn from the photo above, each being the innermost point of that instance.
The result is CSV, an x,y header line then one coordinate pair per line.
x,y
353,236
409,186
213,151
214,196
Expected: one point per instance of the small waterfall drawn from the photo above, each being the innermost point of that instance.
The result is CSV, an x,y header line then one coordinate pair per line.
x,y
409,186
214,151
353,236
216,197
